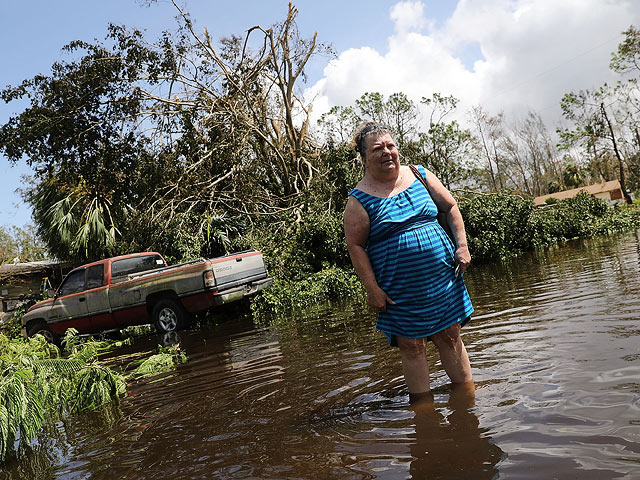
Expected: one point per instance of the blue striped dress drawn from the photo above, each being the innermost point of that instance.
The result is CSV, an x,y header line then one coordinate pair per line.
x,y
413,261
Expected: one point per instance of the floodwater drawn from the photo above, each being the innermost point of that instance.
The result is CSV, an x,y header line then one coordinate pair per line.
x,y
556,360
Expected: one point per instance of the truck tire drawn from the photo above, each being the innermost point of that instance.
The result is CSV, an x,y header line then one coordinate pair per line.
x,y
168,316
42,329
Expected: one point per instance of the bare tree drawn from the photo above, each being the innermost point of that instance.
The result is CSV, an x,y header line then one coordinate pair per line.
x,y
488,131
235,116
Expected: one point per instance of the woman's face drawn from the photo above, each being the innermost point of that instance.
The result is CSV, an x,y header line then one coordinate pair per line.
x,y
381,154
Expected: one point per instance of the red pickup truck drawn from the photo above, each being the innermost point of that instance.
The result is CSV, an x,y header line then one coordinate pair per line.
x,y
141,288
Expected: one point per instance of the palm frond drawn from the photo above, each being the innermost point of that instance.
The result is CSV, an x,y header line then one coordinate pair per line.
x,y
35,383
165,360
96,386
60,366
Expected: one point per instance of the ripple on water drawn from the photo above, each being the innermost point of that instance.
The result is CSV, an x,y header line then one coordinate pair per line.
x,y
554,350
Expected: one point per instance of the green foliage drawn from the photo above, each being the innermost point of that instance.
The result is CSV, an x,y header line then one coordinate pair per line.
x,y
442,150
20,245
580,216
627,58
294,250
78,134
551,201
502,226
397,112
572,175
96,386
283,296
338,124
38,386
317,241
177,144
78,222
444,147
165,360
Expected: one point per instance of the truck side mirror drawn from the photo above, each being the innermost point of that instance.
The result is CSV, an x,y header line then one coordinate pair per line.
x,y
51,293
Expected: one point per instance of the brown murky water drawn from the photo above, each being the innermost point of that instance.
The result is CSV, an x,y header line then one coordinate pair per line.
x,y
556,358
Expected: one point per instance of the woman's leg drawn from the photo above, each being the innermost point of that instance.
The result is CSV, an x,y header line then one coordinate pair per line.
x,y
414,366
453,354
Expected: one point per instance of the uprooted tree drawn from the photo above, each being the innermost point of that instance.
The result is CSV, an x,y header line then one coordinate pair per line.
x,y
175,145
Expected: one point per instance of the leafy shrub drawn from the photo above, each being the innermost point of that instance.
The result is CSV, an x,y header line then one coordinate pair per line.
x,y
580,216
500,225
331,283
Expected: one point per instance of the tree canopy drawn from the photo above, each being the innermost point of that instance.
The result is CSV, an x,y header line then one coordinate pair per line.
x,y
194,146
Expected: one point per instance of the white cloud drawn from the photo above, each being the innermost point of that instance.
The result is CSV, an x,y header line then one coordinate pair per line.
x,y
533,51
408,17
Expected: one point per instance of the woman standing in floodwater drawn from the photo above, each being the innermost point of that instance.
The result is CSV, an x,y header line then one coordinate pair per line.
x,y
409,267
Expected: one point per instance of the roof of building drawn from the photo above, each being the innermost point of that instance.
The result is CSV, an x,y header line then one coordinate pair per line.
x,y
594,189
12,269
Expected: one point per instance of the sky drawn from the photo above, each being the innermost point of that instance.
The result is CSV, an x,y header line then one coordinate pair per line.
x,y
511,56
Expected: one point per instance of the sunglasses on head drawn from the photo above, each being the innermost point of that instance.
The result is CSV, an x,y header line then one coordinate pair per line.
x,y
366,131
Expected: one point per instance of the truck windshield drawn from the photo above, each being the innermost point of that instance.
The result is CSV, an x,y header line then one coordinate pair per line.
x,y
127,266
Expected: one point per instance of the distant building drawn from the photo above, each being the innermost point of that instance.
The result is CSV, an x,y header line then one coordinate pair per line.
x,y
24,281
610,192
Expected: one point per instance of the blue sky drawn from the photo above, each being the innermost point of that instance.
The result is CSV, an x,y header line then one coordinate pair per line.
x,y
507,55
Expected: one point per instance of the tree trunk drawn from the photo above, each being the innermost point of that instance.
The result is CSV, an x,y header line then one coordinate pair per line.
x,y
627,197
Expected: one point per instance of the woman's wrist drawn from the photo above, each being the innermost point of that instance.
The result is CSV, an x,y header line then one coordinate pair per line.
x,y
371,288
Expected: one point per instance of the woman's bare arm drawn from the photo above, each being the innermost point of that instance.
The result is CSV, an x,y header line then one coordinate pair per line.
x,y
446,203
356,230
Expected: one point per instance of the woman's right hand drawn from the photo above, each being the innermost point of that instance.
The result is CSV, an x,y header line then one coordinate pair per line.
x,y
378,299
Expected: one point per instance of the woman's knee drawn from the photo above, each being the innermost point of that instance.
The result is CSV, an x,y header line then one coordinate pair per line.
x,y
411,347
448,338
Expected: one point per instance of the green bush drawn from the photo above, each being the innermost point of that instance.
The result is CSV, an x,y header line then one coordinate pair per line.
x,y
331,283
580,216
500,225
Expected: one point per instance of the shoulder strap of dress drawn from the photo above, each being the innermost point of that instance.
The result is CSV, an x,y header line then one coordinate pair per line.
x,y
419,176
356,193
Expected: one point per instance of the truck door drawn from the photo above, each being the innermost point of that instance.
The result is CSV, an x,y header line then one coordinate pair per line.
x,y
69,308
97,293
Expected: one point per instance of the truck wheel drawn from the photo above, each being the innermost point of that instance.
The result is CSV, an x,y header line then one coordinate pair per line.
x,y
42,329
168,316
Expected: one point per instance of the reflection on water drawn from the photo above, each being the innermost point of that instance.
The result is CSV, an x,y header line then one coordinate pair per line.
x,y
555,356
443,435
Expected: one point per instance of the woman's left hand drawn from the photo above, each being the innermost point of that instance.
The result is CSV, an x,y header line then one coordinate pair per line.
x,y
462,257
